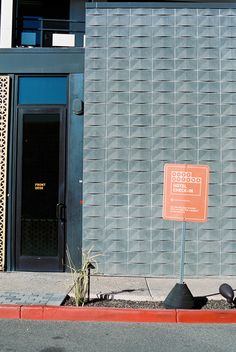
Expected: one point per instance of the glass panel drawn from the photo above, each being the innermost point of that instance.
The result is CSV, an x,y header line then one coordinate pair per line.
x,y
40,181
31,31
42,90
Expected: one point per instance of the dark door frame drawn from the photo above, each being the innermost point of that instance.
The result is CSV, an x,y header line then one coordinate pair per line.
x,y
41,263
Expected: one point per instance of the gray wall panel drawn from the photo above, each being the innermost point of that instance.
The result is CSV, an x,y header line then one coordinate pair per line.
x,y
160,87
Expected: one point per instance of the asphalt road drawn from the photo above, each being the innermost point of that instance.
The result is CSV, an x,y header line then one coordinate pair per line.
x,y
42,336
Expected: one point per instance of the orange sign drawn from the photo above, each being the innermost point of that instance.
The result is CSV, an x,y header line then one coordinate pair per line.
x,y
185,195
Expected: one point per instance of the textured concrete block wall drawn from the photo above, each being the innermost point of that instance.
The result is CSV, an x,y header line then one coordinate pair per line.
x,y
160,87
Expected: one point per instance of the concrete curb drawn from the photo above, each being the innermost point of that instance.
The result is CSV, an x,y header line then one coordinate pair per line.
x,y
93,314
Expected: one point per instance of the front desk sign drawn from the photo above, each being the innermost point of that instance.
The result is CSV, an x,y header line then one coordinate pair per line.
x,y
39,186
185,198
185,195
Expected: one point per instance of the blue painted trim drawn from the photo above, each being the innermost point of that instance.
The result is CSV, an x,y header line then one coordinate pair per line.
x,y
41,61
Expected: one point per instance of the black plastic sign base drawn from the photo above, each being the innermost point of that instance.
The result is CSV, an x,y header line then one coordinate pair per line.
x,y
179,297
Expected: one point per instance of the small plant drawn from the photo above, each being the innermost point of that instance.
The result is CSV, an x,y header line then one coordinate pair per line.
x,y
81,276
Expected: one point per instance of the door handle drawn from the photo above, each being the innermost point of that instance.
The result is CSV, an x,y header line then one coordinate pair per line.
x,y
60,212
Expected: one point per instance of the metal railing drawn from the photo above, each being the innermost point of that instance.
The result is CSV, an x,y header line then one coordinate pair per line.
x,y
37,31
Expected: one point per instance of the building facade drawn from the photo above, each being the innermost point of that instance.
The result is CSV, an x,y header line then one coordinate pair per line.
x,y
88,125
42,70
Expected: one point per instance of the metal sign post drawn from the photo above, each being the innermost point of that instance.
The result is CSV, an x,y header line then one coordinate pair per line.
x,y
182,256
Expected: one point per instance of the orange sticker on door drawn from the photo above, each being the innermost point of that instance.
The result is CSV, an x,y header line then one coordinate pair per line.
x,y
185,196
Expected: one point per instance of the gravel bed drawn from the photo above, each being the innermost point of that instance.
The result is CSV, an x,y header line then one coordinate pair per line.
x,y
116,303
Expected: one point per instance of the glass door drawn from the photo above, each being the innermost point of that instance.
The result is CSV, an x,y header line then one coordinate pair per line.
x,y
40,210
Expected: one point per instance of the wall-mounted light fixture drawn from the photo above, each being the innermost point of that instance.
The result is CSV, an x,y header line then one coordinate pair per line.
x,y
78,107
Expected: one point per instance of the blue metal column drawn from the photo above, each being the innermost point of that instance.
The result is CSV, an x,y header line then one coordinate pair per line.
x,y
74,170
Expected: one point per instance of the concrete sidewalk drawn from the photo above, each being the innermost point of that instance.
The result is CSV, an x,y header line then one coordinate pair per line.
x,y
154,289
52,288
34,288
